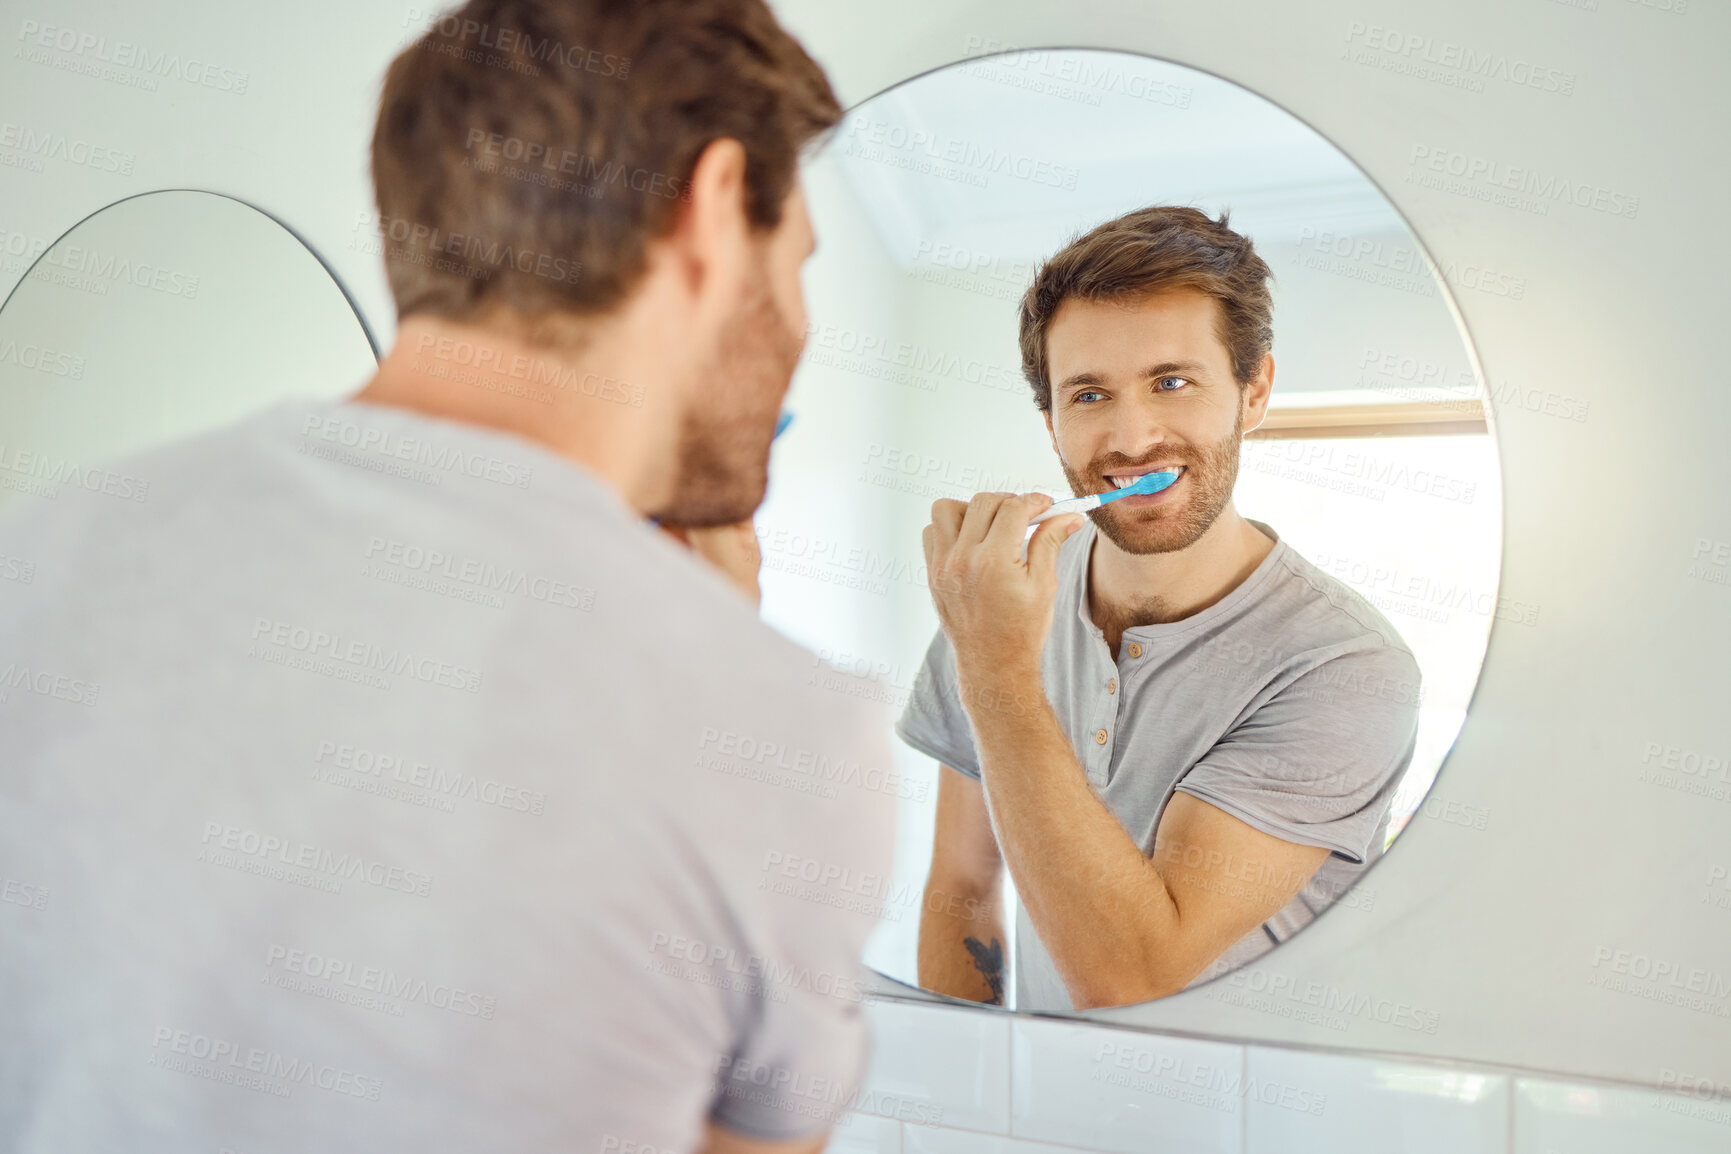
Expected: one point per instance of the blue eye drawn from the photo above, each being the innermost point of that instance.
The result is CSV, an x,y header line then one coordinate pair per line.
x,y
1162,382
1084,393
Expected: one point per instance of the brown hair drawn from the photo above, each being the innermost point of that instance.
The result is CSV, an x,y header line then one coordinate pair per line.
x,y
527,151
1142,252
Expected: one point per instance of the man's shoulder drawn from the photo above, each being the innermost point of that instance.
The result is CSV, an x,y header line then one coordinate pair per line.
x,y
1323,612
96,497
292,486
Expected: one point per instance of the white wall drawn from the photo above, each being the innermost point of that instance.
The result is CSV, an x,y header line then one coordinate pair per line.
x,y
953,1081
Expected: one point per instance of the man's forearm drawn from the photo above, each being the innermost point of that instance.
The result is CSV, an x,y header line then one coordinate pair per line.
x,y
1102,910
962,950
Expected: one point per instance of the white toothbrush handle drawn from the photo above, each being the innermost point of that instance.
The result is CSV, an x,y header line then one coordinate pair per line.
x,y
1068,505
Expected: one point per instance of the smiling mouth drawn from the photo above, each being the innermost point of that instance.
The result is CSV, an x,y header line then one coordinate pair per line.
x,y
1120,481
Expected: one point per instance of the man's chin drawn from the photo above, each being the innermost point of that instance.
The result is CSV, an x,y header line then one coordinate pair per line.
x,y
715,504
1140,535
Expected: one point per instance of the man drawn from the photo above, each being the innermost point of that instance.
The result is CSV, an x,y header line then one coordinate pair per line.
x,y
410,790
1180,736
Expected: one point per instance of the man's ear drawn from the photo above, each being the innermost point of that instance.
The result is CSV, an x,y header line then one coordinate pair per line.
x,y
1255,395
710,235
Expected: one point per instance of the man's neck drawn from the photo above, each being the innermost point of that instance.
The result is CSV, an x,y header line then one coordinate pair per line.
x,y
1126,590
603,407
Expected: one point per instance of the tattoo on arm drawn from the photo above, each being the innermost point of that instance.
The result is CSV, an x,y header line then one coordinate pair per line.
x,y
990,962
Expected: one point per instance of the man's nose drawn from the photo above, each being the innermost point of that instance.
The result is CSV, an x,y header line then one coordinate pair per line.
x,y
1141,428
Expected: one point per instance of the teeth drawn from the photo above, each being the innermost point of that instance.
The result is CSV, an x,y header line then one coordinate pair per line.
x,y
1122,482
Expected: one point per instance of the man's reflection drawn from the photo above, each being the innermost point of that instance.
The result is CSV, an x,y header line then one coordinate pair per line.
x,y
1181,737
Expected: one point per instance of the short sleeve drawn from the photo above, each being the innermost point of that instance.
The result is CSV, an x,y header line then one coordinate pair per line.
x,y
934,721
801,1068
1318,763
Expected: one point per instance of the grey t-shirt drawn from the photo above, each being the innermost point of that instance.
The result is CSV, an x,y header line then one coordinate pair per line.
x,y
379,782
1290,703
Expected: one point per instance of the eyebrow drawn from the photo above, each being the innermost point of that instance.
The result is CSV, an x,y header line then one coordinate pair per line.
x,y
1164,368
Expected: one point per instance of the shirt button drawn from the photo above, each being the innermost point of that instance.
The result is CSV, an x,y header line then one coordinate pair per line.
x,y
1112,686
1135,650
1099,737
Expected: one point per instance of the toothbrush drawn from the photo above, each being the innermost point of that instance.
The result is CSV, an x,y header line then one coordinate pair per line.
x,y
1146,483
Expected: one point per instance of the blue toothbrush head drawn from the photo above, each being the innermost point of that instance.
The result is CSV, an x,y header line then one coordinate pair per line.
x,y
1146,483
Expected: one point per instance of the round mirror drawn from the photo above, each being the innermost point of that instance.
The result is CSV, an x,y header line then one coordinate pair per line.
x,y
1258,751
159,316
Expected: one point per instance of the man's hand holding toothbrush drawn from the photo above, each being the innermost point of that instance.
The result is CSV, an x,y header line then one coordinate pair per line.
x,y
994,585
733,549
995,603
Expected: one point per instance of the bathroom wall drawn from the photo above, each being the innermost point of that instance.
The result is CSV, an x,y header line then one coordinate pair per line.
x,y
958,1081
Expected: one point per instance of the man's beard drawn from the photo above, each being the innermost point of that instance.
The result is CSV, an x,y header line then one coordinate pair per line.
x,y
722,460
1210,472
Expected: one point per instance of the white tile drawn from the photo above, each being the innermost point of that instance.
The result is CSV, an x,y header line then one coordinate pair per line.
x,y
938,1066
931,1140
1123,1090
1306,1103
859,1133
1561,1118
